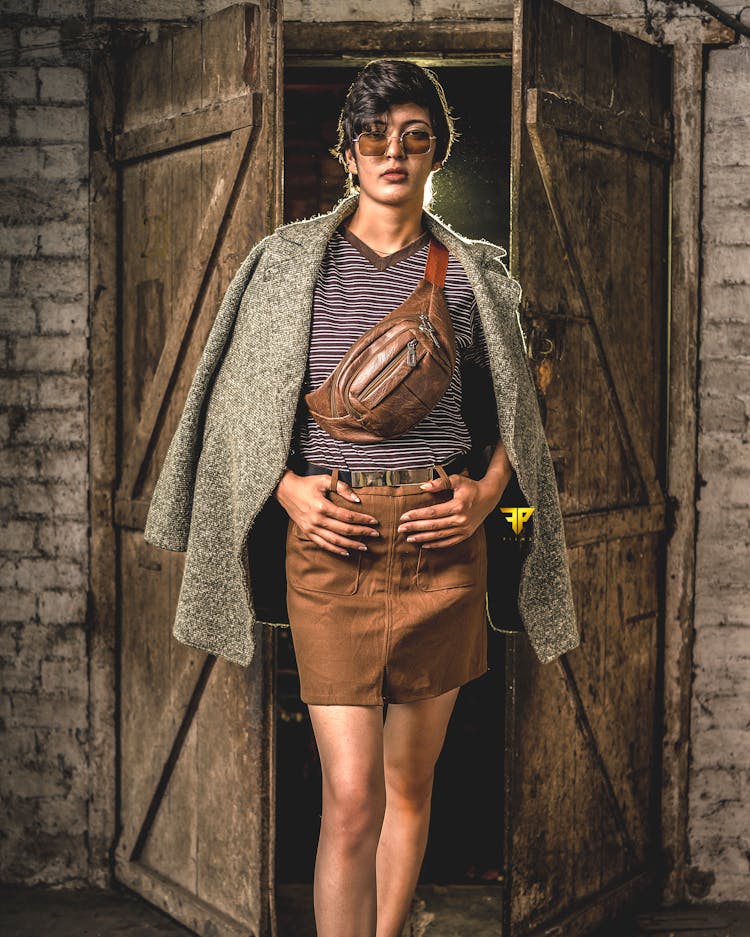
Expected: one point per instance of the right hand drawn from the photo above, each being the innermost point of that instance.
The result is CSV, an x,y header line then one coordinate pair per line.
x,y
305,499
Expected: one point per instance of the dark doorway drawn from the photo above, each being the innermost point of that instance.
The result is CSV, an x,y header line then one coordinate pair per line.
x,y
472,195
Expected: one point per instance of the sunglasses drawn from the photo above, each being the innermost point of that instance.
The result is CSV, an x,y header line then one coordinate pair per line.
x,y
375,142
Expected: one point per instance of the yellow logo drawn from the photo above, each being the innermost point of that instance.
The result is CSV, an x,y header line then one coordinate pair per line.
x,y
517,517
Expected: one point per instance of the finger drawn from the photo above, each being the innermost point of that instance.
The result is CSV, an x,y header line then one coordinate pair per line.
x,y
437,484
346,491
335,544
328,510
444,524
449,542
342,524
434,511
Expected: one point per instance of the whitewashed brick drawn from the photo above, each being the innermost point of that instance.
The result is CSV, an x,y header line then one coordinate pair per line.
x,y
730,377
15,463
14,7
65,124
65,676
58,390
19,391
60,238
18,84
18,240
6,271
58,317
725,747
726,338
60,8
729,226
322,11
39,43
5,121
17,315
17,605
730,604
52,278
19,162
60,608
47,353
718,144
64,539
727,264
723,415
52,427
7,42
723,453
42,573
463,9
62,84
64,161
157,9
725,493
63,815
70,464
59,498
55,640
16,537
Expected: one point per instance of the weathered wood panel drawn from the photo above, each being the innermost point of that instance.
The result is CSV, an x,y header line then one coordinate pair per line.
x,y
590,171
197,144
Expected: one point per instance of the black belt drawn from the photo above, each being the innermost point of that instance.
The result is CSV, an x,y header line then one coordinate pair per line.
x,y
361,478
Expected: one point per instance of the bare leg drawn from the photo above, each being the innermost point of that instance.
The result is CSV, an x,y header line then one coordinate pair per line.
x,y
350,744
413,737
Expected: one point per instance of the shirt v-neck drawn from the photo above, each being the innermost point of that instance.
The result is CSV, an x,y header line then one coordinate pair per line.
x,y
382,263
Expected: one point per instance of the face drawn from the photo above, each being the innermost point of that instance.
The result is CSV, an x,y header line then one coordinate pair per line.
x,y
396,177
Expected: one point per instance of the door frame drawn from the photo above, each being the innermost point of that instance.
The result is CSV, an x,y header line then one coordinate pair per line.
x,y
431,43
489,42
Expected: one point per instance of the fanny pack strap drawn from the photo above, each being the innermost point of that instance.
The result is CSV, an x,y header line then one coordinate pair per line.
x,y
437,263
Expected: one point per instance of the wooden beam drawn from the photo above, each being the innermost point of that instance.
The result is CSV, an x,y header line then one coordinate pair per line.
x,y
198,126
601,125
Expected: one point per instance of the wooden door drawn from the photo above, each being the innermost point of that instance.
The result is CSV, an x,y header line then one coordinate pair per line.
x,y
590,171
198,155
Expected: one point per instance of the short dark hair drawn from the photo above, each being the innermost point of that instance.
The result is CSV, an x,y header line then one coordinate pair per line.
x,y
382,83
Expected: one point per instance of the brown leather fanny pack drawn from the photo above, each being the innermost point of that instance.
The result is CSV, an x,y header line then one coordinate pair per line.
x,y
395,373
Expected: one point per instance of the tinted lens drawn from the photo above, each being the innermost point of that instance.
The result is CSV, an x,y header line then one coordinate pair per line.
x,y
372,143
416,141
375,143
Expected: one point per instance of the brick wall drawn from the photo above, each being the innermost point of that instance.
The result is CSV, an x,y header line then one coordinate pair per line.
x,y
720,737
43,466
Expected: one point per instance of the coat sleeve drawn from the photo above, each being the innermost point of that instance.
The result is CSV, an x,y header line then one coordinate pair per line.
x,y
168,520
546,600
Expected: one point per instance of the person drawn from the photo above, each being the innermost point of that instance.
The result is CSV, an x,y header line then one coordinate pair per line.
x,y
387,575
386,564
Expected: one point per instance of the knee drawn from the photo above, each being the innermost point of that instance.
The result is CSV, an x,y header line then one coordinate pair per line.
x,y
354,811
410,784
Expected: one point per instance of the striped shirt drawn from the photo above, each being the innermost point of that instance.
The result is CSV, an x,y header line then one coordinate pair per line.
x,y
355,289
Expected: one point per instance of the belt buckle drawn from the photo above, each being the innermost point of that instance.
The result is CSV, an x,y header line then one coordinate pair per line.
x,y
361,478
364,477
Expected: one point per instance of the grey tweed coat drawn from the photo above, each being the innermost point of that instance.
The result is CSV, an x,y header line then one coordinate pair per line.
x,y
213,498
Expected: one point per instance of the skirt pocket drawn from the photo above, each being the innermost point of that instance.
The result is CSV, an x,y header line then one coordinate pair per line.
x,y
312,568
455,567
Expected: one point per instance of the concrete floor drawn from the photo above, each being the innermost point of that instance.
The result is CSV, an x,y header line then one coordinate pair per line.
x,y
39,912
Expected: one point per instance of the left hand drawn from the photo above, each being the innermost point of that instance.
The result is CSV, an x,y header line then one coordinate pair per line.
x,y
449,522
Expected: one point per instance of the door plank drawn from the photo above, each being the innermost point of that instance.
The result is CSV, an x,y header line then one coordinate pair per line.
x,y
198,153
591,140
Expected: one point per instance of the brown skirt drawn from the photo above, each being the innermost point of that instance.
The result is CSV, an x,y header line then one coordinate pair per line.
x,y
393,623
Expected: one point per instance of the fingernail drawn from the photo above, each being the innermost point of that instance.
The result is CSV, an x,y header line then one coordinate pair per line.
x,y
362,546
425,485
358,500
